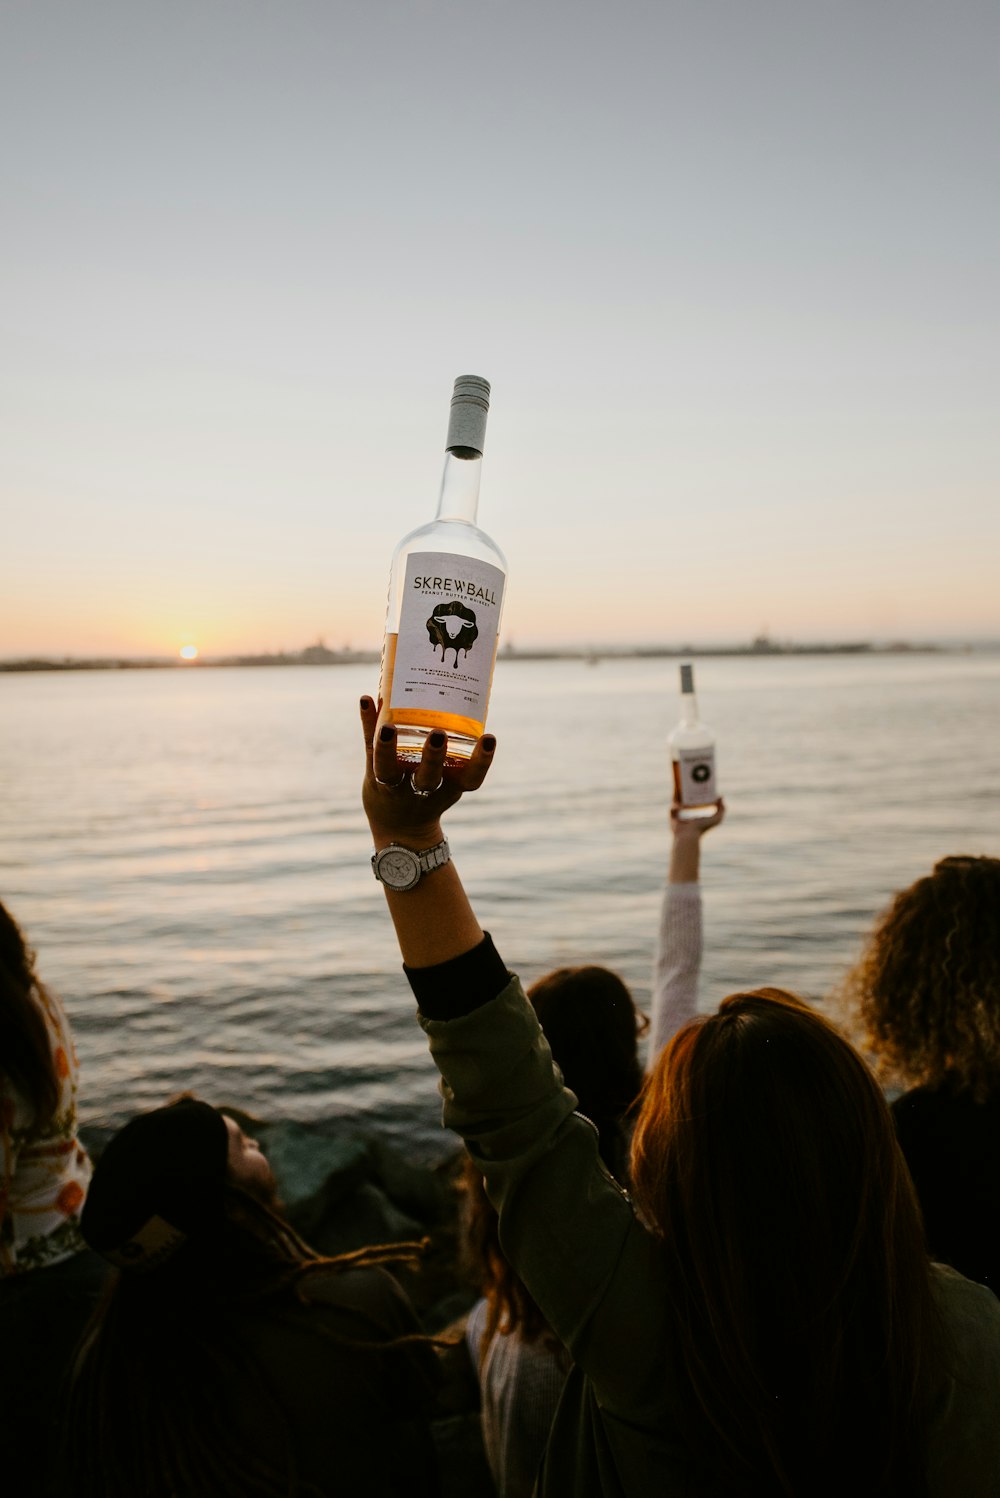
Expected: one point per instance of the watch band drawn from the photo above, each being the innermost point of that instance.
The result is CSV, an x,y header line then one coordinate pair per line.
x,y
434,858
402,869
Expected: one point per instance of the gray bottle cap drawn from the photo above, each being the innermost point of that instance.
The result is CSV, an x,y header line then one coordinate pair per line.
x,y
687,678
469,406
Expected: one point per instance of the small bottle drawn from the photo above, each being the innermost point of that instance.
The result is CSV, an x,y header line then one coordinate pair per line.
x,y
446,589
692,750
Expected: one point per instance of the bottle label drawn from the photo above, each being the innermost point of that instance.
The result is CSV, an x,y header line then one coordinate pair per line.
x,y
448,626
697,776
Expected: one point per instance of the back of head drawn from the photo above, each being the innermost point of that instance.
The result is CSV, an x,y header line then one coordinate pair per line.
x,y
25,1050
592,1026
591,1023
765,1160
927,987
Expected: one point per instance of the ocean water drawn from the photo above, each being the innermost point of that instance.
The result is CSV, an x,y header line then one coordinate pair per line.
x,y
187,853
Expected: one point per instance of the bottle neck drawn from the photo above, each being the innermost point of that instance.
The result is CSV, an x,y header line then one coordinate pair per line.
x,y
460,487
689,707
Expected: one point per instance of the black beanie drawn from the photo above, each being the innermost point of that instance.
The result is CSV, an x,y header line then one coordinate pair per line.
x,y
159,1182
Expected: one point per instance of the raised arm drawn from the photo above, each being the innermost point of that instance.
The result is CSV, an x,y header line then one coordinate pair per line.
x,y
539,1157
404,804
679,940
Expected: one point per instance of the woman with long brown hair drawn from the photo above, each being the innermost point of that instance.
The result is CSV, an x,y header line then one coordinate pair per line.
x,y
592,1025
765,1320
927,992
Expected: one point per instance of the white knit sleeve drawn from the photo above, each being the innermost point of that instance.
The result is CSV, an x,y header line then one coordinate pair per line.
x,y
677,964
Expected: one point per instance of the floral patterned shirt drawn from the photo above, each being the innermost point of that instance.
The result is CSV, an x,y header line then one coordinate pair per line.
x,y
44,1169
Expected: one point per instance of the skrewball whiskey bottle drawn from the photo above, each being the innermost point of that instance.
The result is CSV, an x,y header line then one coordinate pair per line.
x,y
446,590
692,750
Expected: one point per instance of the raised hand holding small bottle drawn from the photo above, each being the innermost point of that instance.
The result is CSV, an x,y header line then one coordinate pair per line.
x,y
692,751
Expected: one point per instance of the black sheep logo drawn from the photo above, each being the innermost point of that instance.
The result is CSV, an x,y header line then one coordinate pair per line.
x,y
453,627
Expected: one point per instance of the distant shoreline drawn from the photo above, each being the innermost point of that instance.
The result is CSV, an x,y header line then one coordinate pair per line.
x,y
320,655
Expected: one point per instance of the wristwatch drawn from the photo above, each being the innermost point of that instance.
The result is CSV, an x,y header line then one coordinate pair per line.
x,y
401,869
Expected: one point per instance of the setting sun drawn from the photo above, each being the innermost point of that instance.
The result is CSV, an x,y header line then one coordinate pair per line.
x,y
189,652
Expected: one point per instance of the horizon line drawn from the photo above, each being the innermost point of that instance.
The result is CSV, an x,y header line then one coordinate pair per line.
x,y
319,654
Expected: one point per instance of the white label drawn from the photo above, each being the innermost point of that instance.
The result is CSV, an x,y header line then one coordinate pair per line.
x,y
697,767
448,627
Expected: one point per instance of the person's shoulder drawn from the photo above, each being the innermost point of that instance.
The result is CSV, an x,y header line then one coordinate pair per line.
x,y
920,1100
971,1313
962,1431
366,1290
946,1103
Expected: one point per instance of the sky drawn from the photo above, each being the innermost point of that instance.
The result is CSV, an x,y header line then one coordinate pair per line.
x,y
731,267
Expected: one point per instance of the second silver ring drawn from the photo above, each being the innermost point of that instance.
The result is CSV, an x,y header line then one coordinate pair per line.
x,y
418,792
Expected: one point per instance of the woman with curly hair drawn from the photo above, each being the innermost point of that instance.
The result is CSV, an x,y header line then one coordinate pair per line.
x,y
927,989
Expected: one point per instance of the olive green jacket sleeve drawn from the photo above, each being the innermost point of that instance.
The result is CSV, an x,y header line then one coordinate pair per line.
x,y
558,1205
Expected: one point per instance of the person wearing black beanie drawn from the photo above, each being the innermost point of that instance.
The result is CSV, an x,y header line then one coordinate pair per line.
x,y
229,1360
160,1181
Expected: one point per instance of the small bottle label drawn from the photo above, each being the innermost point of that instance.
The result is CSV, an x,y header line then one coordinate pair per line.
x,y
448,628
697,776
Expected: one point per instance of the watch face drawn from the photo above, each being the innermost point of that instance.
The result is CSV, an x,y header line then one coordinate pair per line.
x,y
398,868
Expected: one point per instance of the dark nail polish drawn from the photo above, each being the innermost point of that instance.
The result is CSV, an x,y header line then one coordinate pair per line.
x,y
387,733
366,703
489,743
437,740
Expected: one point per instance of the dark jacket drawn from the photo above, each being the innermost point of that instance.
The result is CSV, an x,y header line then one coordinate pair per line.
x,y
952,1146
354,1414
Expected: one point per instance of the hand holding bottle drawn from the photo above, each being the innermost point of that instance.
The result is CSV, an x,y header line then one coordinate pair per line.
x,y
693,827
685,848
692,751
405,802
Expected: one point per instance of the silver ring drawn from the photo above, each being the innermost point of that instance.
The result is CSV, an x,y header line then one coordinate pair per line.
x,y
418,792
390,785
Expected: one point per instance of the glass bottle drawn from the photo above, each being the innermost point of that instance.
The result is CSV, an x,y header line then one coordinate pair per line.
x,y
692,751
446,589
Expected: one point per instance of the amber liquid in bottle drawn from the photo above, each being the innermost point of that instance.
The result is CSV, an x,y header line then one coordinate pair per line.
x,y
413,725
446,591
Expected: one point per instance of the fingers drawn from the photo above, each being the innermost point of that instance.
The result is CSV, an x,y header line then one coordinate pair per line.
x,y
428,777
684,826
695,826
385,766
715,818
475,769
433,783
433,774
369,718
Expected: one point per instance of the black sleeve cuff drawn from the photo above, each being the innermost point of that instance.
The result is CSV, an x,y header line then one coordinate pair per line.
x,y
456,987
